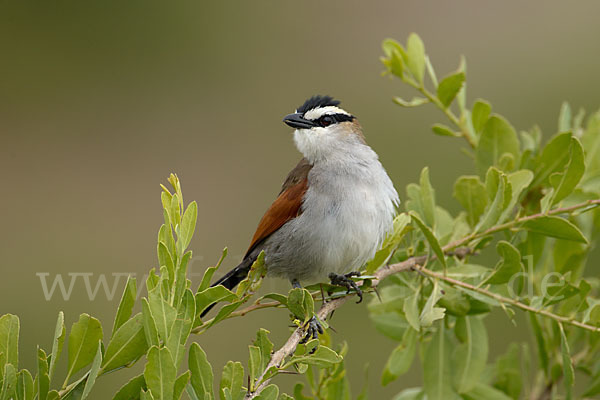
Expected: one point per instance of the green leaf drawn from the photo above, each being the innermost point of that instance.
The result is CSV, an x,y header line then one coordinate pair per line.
x,y
231,380
165,235
471,194
127,345
480,114
518,181
390,45
411,394
323,356
430,313
592,313
83,342
567,364
567,181
470,356
266,347
181,281
414,102
296,303
164,314
53,394
280,298
555,227
395,53
396,64
509,266
298,392
555,292
9,382
437,367
433,242
212,295
271,392
165,259
591,143
254,365
160,373
494,209
483,391
208,274
540,342
125,305
9,339
390,244
93,374
57,343
24,389
411,311
554,158
188,225
415,53
202,374
401,358
131,390
508,372
42,380
427,197
226,311
564,118
498,137
449,87
150,330
182,327
444,130
146,395
454,301
180,384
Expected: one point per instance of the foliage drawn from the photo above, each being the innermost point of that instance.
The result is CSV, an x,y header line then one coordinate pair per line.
x,y
535,203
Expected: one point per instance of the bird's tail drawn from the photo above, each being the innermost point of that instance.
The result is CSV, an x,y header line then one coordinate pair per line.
x,y
232,278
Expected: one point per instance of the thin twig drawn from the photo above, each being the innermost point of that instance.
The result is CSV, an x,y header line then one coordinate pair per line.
x,y
446,110
507,300
510,224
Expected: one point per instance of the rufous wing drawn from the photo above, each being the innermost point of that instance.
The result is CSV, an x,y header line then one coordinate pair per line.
x,y
286,206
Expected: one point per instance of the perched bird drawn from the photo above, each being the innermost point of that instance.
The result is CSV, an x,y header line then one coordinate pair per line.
x,y
334,209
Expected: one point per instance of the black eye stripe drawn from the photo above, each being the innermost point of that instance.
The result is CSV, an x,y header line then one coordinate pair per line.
x,y
330,119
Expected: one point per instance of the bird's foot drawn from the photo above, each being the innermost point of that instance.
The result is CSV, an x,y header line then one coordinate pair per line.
x,y
347,282
313,329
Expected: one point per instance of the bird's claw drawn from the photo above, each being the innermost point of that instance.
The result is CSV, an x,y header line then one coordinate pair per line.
x,y
347,282
313,329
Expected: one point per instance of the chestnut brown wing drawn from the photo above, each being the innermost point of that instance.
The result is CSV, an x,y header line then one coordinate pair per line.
x,y
286,206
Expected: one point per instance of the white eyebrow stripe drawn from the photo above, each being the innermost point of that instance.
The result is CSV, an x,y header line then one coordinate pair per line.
x,y
317,113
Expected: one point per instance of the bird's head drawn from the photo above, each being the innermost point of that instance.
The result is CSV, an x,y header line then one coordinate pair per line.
x,y
323,129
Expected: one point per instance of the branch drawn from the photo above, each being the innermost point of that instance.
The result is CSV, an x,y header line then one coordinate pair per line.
x,y
446,110
507,300
510,224
453,249
289,347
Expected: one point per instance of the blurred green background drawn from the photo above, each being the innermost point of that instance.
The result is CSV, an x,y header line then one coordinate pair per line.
x,y
100,101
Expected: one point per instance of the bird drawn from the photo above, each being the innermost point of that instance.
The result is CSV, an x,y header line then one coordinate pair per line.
x,y
335,207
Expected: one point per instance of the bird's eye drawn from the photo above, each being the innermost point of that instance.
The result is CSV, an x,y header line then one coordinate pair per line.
x,y
327,120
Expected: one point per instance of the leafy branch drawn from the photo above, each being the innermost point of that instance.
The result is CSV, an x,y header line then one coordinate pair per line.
x,y
535,201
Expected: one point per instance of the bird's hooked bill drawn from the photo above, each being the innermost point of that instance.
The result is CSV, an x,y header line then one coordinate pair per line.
x,y
296,120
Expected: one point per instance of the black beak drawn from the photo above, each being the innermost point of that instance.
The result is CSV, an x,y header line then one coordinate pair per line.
x,y
297,121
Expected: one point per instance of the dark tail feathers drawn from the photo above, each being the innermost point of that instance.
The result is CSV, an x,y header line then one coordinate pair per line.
x,y
232,278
